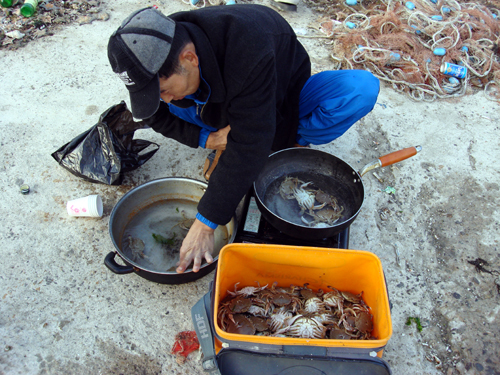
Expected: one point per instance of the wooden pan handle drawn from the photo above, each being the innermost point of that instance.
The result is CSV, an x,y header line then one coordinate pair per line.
x,y
209,168
397,156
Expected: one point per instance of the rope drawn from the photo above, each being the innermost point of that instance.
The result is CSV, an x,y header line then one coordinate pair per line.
x,y
403,46
202,3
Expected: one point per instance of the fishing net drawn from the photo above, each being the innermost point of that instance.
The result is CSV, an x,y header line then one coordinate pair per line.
x,y
203,3
399,45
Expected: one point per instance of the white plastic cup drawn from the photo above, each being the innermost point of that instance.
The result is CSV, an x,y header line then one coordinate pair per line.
x,y
88,206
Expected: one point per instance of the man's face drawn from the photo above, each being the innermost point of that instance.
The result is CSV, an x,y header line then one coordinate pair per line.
x,y
179,85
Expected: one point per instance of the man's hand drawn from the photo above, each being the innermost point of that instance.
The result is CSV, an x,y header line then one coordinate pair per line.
x,y
218,140
198,244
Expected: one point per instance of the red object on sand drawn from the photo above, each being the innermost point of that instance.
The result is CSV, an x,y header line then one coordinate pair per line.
x,y
185,342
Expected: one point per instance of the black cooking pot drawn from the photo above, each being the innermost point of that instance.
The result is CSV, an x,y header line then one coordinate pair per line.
x,y
327,173
137,207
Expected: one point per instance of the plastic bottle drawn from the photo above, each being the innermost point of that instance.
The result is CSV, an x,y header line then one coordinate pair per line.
x,y
29,8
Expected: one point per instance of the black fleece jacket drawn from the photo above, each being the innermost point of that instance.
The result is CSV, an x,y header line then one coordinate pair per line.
x,y
255,68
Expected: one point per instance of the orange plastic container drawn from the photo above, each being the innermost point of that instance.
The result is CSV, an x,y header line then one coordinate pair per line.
x,y
347,270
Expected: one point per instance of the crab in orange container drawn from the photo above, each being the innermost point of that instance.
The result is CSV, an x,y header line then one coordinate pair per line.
x,y
304,327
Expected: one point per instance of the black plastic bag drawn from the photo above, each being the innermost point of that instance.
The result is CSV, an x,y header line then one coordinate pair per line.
x,y
107,150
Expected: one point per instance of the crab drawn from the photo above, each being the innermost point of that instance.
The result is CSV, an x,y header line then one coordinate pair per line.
x,y
334,299
307,293
292,289
357,324
241,324
314,305
185,223
312,302
295,311
287,186
229,307
279,318
258,311
279,296
323,218
247,291
364,322
260,324
306,198
304,327
325,318
285,300
353,298
339,334
136,246
361,307
348,320
325,198
239,304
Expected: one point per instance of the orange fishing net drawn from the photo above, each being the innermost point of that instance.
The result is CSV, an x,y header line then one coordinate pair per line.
x,y
186,342
401,46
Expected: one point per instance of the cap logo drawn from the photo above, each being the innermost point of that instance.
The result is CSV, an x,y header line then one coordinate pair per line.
x,y
125,78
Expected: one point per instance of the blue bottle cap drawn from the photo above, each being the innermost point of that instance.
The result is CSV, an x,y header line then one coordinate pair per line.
x,y
445,9
350,25
465,49
351,2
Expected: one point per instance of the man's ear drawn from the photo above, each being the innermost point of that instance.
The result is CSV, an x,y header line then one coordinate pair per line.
x,y
189,55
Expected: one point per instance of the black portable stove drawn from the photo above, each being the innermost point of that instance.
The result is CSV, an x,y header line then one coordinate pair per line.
x,y
253,228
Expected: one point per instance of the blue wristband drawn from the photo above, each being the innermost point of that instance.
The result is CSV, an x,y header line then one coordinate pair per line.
x,y
207,222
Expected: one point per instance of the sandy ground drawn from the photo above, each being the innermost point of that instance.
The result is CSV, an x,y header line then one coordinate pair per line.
x,y
63,312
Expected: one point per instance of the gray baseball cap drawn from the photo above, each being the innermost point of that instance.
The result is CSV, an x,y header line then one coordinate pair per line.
x,y
136,51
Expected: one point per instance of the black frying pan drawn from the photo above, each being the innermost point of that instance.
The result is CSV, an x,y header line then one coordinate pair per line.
x,y
328,173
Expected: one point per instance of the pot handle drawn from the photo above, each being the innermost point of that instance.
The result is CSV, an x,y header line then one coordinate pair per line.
x,y
114,267
392,158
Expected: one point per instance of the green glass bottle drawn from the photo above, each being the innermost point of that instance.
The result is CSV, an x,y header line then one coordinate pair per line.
x,y
9,3
29,8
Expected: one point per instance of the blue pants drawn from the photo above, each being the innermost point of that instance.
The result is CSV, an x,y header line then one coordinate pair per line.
x,y
332,101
